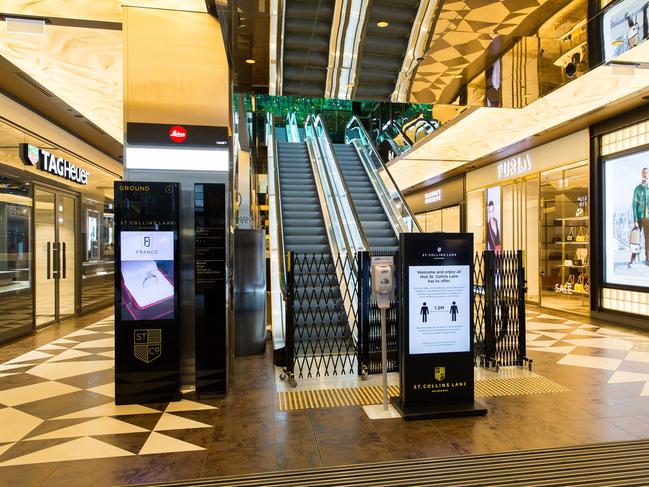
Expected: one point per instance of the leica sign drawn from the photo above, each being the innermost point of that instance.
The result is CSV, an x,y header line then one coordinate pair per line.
x,y
177,133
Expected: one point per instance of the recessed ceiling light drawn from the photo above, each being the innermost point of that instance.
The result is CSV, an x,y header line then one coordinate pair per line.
x,y
250,61
382,24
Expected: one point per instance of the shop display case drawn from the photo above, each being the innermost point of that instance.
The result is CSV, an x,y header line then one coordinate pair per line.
x,y
565,238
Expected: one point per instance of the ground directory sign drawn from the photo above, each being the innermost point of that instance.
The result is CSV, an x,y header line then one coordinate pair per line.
x,y
436,342
147,349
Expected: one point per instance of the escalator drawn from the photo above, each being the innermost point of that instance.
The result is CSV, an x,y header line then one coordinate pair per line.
x,y
328,202
374,220
319,318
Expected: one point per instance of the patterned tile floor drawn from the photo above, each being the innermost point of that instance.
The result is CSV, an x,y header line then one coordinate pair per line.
x,y
59,425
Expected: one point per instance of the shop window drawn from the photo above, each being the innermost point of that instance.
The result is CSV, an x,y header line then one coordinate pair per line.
x,y
16,294
475,216
565,238
97,266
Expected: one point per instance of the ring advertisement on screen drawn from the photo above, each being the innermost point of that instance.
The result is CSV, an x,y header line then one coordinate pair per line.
x,y
626,196
624,26
147,260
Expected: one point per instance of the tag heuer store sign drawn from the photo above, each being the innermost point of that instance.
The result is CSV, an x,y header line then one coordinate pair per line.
x,y
52,164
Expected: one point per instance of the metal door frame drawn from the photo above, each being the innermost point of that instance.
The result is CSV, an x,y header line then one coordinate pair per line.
x,y
58,192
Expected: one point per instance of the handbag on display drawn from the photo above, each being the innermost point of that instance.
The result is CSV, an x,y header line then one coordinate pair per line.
x,y
579,212
567,263
634,237
571,236
581,235
579,285
587,285
581,256
570,280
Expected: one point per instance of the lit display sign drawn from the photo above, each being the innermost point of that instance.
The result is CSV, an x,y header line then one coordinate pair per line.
x,y
147,262
48,162
626,220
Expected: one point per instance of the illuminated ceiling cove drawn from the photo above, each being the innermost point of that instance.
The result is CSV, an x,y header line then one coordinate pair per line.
x,y
490,130
80,65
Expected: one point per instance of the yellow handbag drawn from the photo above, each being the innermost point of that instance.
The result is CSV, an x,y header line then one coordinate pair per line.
x,y
581,235
579,286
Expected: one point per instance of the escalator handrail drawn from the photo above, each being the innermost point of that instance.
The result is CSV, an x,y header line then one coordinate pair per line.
x,y
354,120
270,136
399,128
317,120
291,122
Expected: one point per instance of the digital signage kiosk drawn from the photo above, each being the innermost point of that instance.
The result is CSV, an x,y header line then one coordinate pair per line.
x,y
147,360
436,342
211,331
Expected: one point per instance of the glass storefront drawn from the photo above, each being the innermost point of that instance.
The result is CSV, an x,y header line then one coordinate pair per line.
x,y
532,202
97,259
565,238
56,234
16,289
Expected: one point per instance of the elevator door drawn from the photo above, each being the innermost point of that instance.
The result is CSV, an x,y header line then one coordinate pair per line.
x,y
54,243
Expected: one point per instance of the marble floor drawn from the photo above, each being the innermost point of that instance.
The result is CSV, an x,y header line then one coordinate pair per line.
x,y
59,424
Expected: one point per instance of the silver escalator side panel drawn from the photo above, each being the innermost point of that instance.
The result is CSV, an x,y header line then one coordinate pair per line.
x,y
278,309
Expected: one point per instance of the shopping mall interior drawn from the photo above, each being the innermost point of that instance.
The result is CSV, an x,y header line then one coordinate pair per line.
x,y
324,242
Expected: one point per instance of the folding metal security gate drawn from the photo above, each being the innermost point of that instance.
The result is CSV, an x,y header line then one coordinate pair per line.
x,y
333,326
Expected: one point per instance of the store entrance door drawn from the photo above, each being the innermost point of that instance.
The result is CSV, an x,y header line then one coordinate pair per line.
x,y
54,244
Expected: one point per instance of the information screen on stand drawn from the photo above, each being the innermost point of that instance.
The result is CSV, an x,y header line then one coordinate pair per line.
x,y
436,369
147,360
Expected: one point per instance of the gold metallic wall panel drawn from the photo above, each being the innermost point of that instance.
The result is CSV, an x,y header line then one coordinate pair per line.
x,y
176,69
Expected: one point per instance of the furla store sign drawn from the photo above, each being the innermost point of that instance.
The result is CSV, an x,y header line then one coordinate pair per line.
x,y
514,166
48,162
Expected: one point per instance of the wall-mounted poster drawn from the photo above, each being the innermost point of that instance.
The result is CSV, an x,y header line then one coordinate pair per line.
x,y
624,26
147,265
492,222
626,226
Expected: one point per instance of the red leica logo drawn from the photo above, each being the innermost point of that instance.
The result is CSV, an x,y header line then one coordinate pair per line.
x,y
178,133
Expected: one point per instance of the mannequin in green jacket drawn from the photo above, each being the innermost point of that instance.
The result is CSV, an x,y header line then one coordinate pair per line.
x,y
641,210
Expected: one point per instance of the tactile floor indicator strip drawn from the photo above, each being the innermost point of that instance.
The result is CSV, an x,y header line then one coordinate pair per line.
x,y
361,396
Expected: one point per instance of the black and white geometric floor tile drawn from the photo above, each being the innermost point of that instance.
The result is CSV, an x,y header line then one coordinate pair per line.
x,y
57,404
624,353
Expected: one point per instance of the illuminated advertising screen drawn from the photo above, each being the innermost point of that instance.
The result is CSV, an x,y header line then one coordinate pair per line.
x,y
626,214
147,260
624,26
492,221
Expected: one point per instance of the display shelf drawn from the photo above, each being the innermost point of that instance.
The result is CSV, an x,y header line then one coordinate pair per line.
x,y
572,266
573,218
572,242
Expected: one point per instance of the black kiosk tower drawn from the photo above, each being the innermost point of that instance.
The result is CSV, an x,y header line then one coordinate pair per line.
x,y
436,336
147,348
